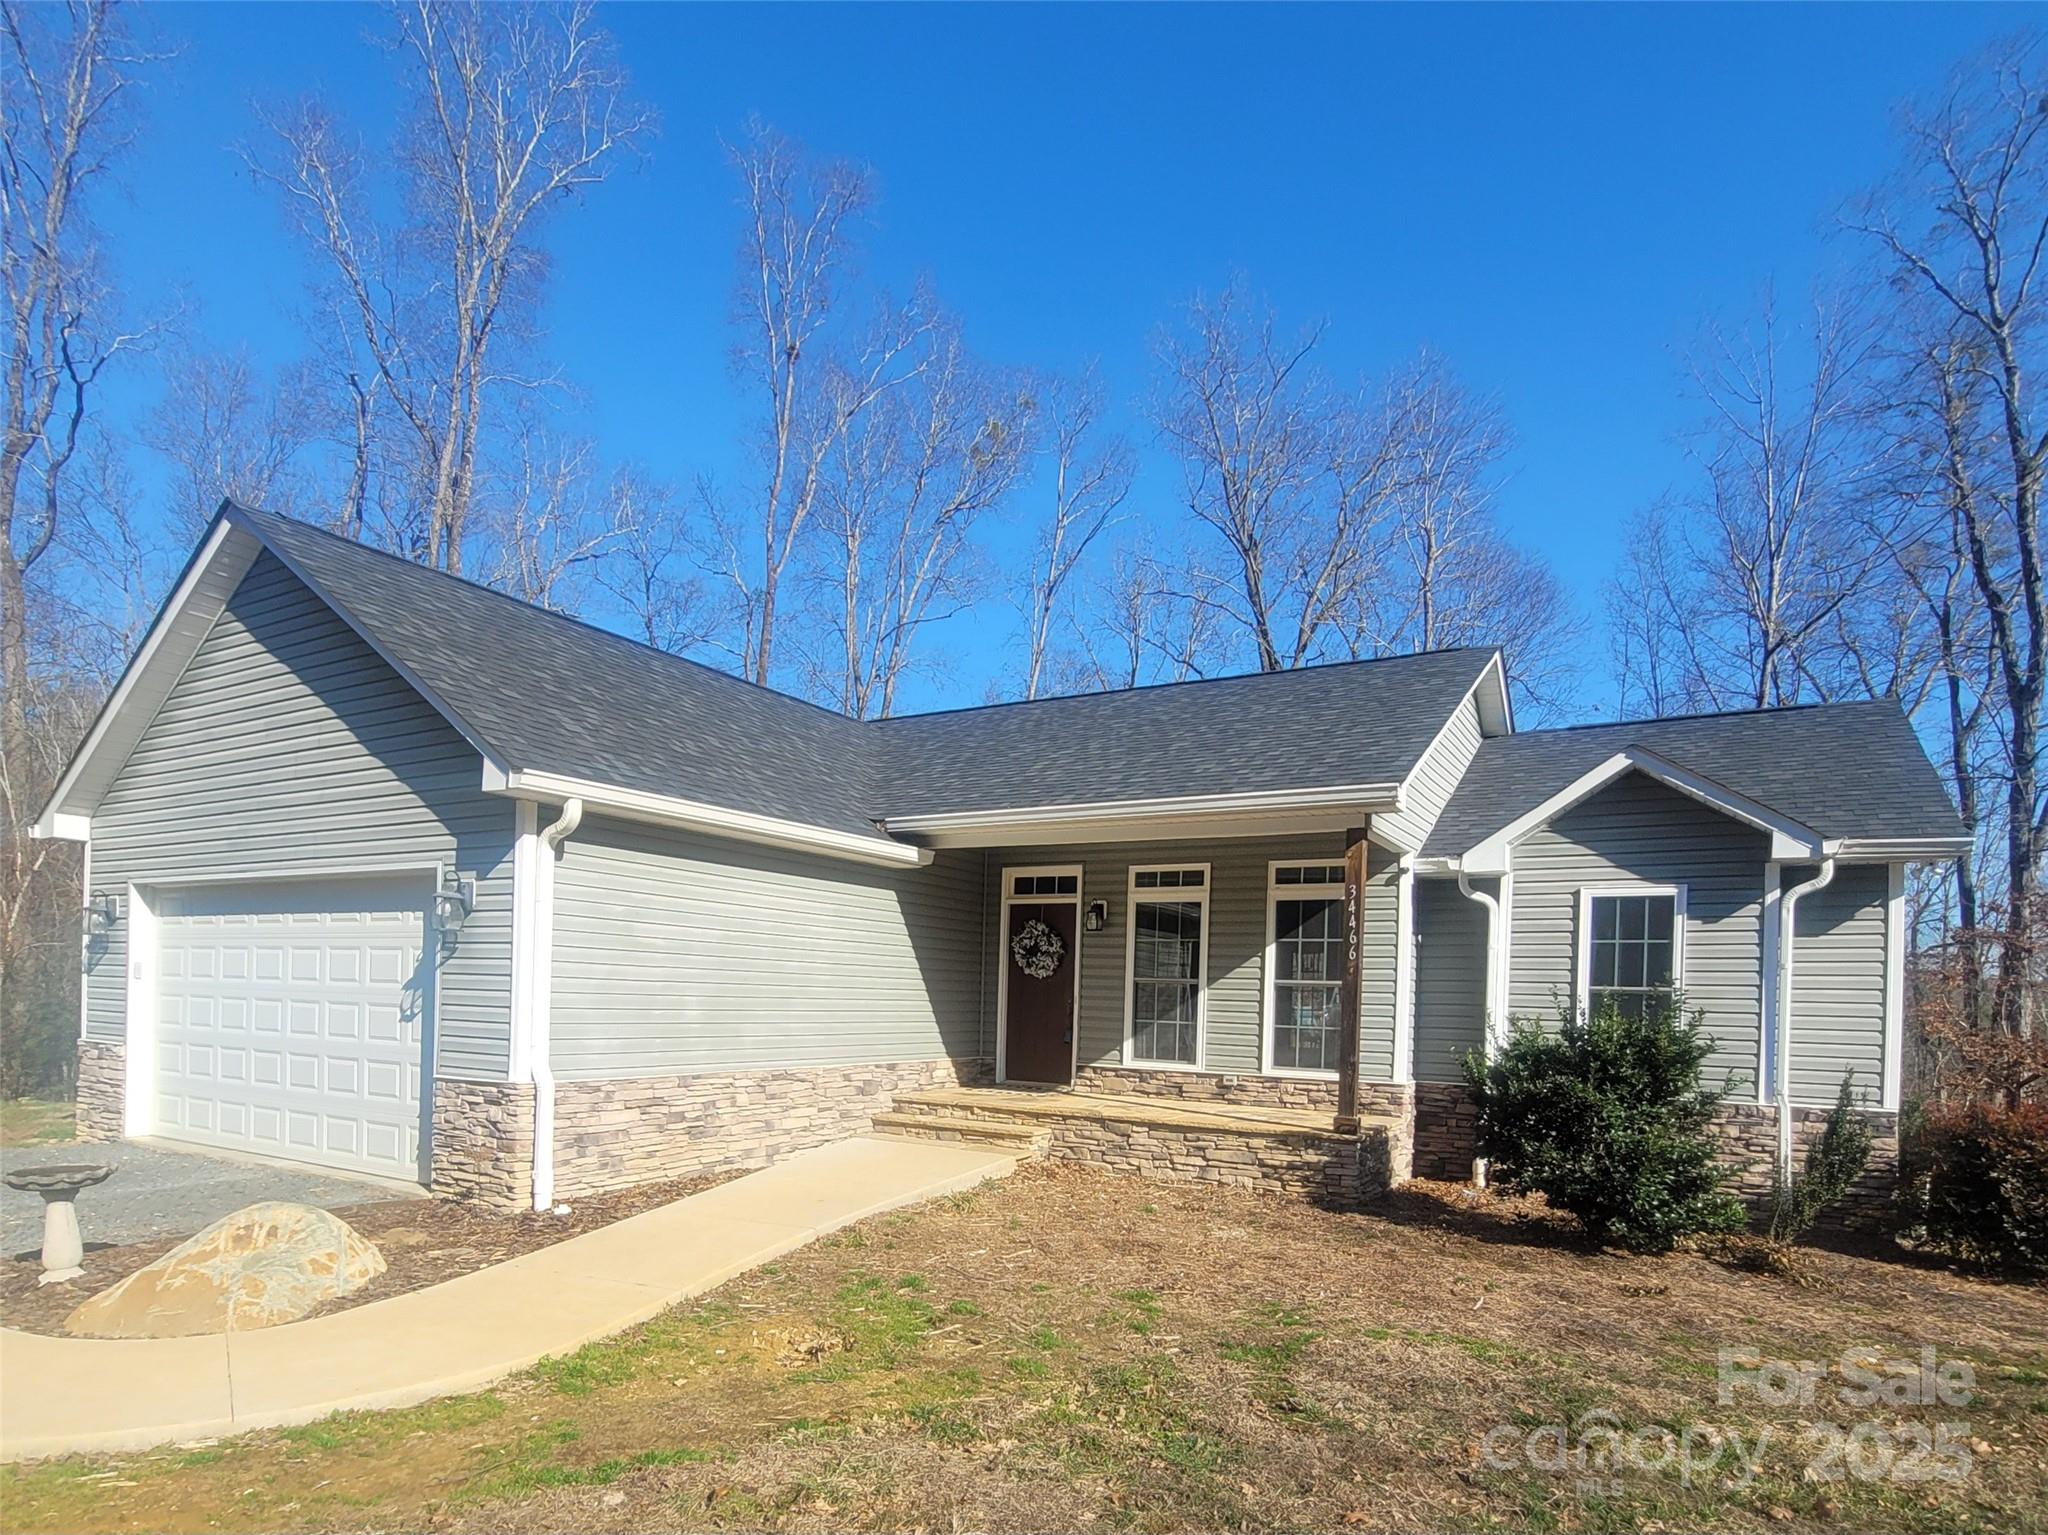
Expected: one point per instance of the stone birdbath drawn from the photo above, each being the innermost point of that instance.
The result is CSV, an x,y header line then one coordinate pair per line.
x,y
63,1247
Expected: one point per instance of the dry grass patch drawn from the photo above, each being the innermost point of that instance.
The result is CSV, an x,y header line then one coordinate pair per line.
x,y
1070,1350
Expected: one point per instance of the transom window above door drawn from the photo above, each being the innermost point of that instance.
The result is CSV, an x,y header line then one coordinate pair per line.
x,y
1045,884
1304,966
1631,947
1164,978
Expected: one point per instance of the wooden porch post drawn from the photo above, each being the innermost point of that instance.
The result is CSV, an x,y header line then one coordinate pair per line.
x,y
1348,994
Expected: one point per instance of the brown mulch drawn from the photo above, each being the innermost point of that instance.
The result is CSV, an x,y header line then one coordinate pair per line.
x,y
424,1241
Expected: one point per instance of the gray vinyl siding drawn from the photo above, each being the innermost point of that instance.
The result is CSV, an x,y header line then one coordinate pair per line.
x,y
1638,830
676,952
1235,964
1450,978
288,742
1838,978
1436,776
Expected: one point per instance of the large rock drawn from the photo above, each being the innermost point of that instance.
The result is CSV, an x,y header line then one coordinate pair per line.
x,y
266,1264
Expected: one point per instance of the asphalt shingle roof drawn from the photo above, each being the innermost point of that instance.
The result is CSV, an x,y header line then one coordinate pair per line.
x,y
547,693
1844,770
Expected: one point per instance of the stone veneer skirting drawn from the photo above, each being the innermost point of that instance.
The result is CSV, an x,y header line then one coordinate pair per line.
x,y
611,1134
102,1090
483,1142
1339,1171
1374,1098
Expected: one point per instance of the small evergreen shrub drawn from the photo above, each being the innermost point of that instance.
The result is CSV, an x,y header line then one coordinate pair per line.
x,y
1833,1163
1607,1118
1978,1184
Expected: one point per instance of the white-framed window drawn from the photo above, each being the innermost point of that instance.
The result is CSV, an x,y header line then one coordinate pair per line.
x,y
1631,946
1304,967
1165,965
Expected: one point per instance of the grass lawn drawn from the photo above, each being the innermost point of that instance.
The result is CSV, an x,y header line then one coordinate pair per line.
x,y
34,1122
1071,1350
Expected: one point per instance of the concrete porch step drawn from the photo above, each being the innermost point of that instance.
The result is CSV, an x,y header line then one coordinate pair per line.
x,y
997,1134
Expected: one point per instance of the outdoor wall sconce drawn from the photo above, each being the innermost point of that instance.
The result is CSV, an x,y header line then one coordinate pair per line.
x,y
453,903
1098,916
102,911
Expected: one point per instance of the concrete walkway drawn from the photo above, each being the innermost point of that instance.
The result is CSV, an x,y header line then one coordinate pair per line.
x,y
59,1395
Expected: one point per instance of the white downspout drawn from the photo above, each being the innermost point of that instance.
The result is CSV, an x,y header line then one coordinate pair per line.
x,y
551,838
1781,1063
1493,984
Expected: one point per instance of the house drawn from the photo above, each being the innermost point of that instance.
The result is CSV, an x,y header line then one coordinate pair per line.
x,y
394,874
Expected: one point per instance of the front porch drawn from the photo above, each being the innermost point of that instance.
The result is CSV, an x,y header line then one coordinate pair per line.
x,y
1296,1151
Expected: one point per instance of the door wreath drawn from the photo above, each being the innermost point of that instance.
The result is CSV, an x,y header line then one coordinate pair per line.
x,y
1037,949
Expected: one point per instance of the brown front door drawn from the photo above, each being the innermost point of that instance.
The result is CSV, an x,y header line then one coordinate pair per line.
x,y
1038,1006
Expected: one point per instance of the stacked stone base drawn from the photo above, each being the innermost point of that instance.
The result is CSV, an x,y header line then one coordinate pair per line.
x,y
1375,1099
613,1134
1749,1149
483,1142
102,1090
1446,1131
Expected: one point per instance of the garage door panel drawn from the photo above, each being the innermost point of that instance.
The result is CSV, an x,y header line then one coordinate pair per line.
x,y
291,1021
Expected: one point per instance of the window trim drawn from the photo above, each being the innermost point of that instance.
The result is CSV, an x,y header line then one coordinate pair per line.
x,y
1275,894
1178,895
1005,901
1582,961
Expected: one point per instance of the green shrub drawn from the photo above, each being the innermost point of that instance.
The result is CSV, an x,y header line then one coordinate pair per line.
x,y
1977,1182
1833,1162
1607,1118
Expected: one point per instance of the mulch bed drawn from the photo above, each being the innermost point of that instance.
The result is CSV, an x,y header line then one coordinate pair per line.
x,y
424,1241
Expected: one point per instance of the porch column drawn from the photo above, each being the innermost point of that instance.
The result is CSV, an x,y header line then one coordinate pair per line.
x,y
1348,995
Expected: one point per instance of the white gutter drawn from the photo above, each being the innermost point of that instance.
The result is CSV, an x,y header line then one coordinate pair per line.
x,y
696,815
539,1067
1493,982
1781,1065
1373,798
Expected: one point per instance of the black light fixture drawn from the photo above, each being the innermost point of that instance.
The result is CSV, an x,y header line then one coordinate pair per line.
x,y
1098,916
453,903
102,912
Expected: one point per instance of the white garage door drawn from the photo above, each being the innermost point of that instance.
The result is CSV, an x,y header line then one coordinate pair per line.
x,y
290,1020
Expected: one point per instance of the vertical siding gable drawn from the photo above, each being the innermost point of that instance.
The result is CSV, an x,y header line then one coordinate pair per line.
x,y
677,952
289,741
1636,829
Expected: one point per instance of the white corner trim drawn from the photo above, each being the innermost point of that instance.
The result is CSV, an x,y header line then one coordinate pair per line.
x,y
1176,895
527,938
139,991
696,815
1582,945
1790,840
1767,1022
1404,974
1894,988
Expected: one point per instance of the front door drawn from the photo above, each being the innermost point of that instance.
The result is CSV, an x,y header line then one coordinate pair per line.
x,y
1038,991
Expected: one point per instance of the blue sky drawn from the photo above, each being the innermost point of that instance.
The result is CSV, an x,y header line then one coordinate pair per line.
x,y
1555,198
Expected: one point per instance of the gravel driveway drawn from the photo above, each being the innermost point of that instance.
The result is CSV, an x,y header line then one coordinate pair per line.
x,y
159,1192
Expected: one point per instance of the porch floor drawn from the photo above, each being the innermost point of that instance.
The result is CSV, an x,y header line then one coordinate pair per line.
x,y
1052,1103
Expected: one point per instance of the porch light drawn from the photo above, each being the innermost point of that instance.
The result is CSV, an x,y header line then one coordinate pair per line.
x,y
453,903
1098,916
102,911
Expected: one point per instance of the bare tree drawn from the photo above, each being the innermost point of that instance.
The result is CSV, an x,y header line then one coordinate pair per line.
x,y
1275,465
70,72
652,570
1964,229
899,499
226,432
1090,481
1149,619
547,525
509,110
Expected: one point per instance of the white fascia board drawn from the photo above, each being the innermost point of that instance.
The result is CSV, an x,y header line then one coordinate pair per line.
x,y
187,616
1897,849
1499,720
1357,799
695,815
1791,842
